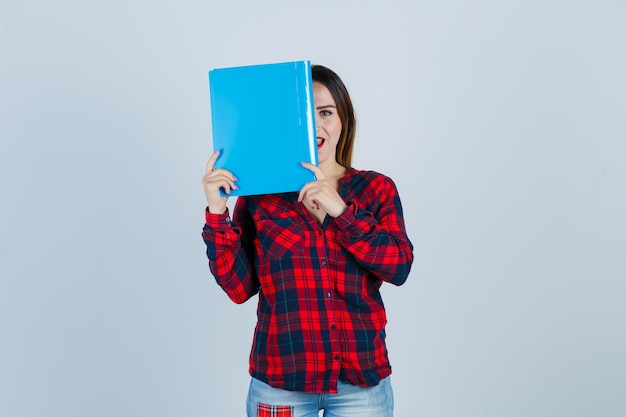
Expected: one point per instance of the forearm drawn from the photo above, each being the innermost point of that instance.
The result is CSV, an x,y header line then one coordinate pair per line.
x,y
380,246
228,260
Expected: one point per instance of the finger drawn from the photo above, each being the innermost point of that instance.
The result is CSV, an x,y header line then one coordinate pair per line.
x,y
308,199
314,169
220,181
211,162
223,172
226,187
304,190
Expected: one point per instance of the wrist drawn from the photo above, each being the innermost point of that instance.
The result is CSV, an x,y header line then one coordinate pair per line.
x,y
339,211
216,210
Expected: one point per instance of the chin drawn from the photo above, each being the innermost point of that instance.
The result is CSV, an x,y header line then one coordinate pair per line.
x,y
323,160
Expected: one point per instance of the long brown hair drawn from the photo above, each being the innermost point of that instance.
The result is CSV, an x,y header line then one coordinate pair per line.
x,y
338,90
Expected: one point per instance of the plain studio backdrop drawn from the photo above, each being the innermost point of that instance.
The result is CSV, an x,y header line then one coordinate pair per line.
x,y
501,122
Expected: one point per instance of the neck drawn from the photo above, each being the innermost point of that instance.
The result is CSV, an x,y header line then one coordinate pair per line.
x,y
332,169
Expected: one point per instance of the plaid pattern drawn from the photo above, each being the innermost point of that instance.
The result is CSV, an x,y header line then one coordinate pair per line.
x,y
264,410
320,313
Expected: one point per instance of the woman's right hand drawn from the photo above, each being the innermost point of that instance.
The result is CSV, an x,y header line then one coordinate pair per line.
x,y
213,180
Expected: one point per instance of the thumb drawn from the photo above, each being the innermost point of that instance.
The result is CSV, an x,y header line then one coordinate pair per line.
x,y
314,169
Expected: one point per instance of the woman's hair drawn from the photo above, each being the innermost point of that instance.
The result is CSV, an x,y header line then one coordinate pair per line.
x,y
345,111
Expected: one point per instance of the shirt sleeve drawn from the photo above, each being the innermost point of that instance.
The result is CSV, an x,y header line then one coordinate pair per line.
x,y
375,233
230,252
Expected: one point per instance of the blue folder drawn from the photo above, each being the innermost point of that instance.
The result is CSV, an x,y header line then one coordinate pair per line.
x,y
264,124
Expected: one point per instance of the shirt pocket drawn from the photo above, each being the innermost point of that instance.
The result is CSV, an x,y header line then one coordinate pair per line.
x,y
279,238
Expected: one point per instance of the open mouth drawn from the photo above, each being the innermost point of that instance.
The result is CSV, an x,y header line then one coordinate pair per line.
x,y
320,142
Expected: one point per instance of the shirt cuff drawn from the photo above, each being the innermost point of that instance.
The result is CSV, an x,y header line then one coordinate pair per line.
x,y
217,221
346,219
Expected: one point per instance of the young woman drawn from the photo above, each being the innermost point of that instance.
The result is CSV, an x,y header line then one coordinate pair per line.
x,y
317,259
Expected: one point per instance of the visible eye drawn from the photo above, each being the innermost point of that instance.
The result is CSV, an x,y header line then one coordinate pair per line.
x,y
326,113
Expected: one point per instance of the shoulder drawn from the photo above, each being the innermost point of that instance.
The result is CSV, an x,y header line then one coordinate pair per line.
x,y
362,180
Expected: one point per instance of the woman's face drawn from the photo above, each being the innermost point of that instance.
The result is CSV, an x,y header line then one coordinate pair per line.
x,y
327,123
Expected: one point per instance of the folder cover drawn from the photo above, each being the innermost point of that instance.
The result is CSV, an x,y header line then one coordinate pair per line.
x,y
263,122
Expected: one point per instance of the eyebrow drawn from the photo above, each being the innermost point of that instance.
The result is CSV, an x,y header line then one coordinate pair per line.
x,y
326,107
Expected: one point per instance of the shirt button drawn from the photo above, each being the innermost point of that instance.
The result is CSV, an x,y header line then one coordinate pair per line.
x,y
227,219
336,357
328,295
333,327
323,263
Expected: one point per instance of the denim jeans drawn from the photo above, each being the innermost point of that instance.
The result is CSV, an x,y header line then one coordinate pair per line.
x,y
350,401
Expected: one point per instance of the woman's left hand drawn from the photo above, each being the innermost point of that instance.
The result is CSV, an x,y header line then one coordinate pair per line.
x,y
321,194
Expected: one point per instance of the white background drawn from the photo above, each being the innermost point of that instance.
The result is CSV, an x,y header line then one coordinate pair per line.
x,y
502,123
